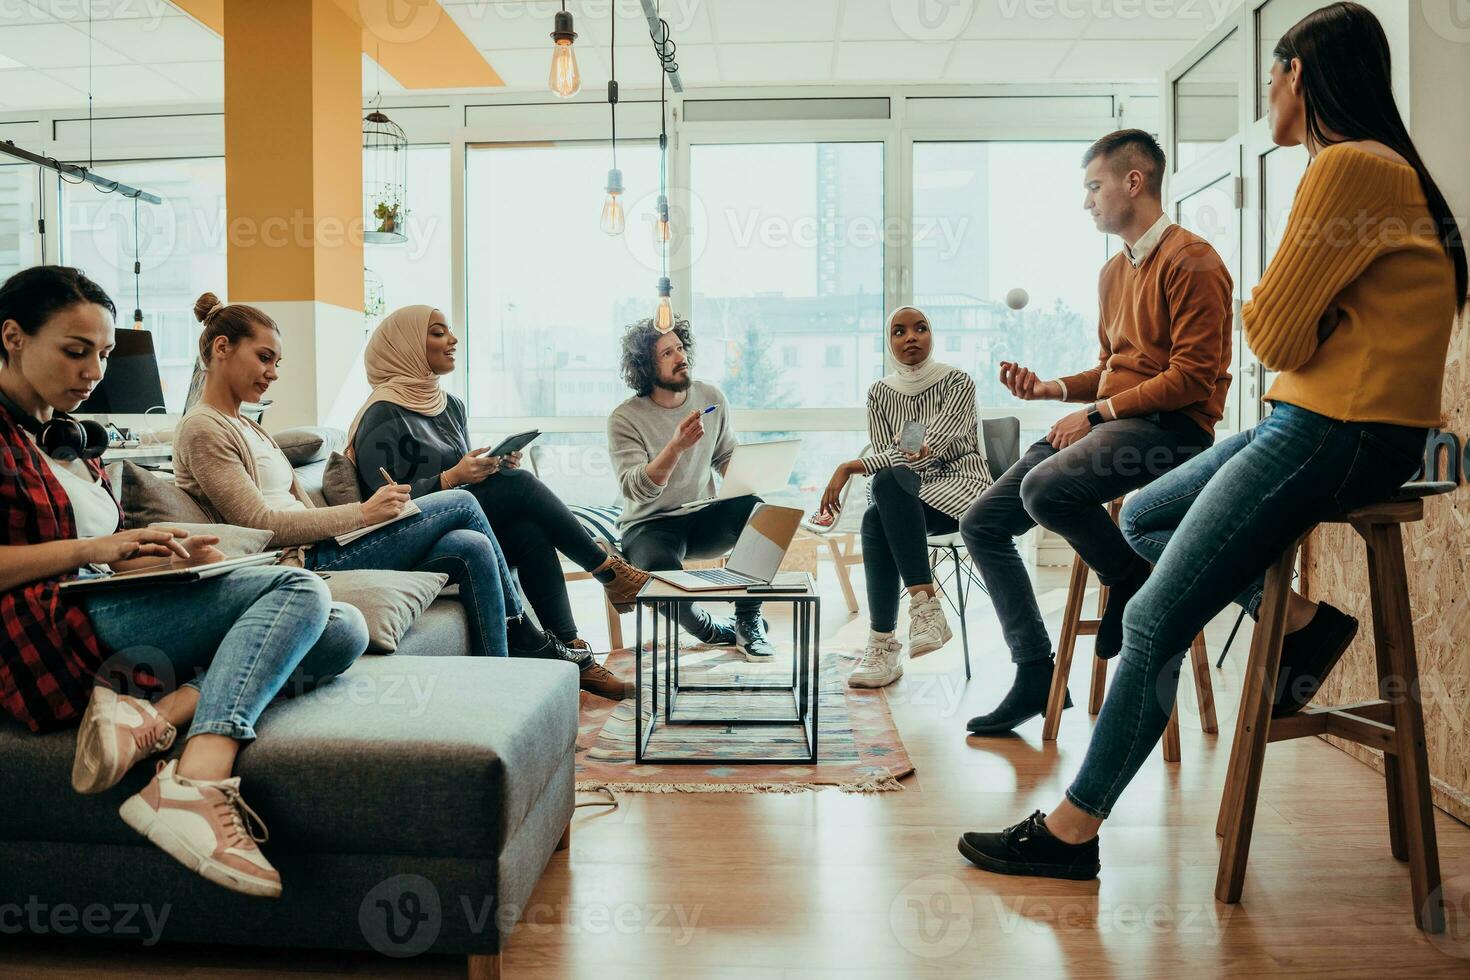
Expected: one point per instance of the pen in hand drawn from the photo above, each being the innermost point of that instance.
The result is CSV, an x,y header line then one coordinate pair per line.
x,y
388,477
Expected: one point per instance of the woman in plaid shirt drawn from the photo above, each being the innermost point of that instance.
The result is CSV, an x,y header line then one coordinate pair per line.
x,y
235,641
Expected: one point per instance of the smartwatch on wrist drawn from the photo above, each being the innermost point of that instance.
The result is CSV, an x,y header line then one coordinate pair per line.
x,y
1094,416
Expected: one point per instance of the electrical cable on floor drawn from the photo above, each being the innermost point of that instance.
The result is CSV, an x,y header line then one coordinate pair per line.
x,y
612,799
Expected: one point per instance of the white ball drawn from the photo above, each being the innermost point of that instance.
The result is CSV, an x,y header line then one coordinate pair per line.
x,y
1017,298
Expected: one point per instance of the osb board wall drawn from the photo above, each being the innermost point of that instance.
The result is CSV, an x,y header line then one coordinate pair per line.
x,y
1437,553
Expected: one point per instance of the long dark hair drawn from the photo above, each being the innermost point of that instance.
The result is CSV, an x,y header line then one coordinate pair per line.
x,y
1347,88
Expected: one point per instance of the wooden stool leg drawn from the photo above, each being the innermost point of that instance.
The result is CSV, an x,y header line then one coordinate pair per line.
x,y
614,625
1099,686
1248,754
1057,696
1171,736
1393,633
840,567
1199,657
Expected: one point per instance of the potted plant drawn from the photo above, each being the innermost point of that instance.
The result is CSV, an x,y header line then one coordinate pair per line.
x,y
387,214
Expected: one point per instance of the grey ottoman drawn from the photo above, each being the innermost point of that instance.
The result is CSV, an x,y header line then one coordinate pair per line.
x,y
412,805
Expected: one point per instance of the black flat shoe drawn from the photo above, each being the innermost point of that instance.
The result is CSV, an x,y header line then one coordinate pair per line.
x,y
1109,641
1308,656
1029,849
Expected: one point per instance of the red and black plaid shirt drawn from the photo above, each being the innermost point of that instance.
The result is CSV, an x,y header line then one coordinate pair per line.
x,y
48,652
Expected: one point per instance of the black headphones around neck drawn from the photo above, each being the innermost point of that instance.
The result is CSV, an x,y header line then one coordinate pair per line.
x,y
61,437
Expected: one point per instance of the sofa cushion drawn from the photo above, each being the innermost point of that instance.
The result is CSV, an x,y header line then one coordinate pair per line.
x,y
390,601
147,499
442,630
234,541
339,481
309,444
437,756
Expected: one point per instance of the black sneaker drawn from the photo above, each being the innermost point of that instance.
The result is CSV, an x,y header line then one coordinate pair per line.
x,y
1029,848
541,645
1308,656
713,632
750,633
1025,700
1110,628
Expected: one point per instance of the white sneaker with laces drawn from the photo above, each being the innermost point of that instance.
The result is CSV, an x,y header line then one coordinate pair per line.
x,y
928,629
115,733
881,663
206,827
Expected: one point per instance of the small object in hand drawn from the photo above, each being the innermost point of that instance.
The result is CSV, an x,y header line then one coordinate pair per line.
x,y
387,477
1017,298
911,438
823,518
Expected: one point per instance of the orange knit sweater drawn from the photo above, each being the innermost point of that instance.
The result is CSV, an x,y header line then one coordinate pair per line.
x,y
1356,307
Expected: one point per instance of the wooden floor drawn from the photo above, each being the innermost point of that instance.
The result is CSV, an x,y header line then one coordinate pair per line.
x,y
825,884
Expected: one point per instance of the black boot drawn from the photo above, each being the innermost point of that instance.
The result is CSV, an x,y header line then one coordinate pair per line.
x,y
1110,627
1029,848
1308,656
1025,700
525,640
710,631
750,632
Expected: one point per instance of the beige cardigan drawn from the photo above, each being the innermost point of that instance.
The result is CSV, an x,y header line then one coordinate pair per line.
x,y
214,465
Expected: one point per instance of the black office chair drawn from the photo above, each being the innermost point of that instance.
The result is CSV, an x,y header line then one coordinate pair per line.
x,y
1002,441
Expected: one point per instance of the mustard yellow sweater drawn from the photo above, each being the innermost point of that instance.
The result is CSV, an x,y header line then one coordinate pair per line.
x,y
1356,307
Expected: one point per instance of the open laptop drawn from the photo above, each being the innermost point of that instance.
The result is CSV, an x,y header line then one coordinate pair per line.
x,y
755,467
757,555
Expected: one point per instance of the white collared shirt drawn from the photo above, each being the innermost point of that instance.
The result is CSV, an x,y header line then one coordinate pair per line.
x,y
1147,241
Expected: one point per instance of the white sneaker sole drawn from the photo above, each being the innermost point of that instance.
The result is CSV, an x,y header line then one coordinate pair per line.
x,y
874,682
94,767
144,819
930,645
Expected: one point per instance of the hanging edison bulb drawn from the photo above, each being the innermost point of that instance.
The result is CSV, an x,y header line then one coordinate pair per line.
x,y
661,231
663,317
565,80
613,219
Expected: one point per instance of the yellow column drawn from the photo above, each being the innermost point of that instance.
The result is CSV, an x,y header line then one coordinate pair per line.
x,y
293,187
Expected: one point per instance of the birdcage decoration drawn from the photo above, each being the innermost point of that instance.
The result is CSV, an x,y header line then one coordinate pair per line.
x,y
384,180
374,299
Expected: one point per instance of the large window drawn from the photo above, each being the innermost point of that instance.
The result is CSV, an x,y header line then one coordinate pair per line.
x,y
549,293
418,270
787,270
19,185
976,238
181,247
1207,102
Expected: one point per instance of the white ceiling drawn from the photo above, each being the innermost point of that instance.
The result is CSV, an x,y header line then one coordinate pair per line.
x,y
148,51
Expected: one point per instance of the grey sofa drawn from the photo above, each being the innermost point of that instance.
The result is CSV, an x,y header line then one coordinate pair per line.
x,y
412,804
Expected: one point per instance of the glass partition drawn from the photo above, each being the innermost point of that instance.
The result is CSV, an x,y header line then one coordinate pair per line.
x,y
1207,102
1274,19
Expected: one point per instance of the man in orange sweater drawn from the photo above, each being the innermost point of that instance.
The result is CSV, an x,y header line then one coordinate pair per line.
x,y
1153,400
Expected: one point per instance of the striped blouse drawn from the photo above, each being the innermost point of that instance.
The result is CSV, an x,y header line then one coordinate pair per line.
x,y
954,472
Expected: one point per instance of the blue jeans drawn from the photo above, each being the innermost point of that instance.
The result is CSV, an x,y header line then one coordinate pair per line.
x,y
240,639
1212,527
450,535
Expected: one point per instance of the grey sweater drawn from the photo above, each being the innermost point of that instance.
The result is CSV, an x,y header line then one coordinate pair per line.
x,y
638,430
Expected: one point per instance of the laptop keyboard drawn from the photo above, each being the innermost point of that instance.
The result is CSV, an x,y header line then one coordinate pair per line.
x,y
718,576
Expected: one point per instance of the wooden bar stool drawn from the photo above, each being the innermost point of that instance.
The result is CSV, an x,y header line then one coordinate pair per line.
x,y
1394,723
1073,626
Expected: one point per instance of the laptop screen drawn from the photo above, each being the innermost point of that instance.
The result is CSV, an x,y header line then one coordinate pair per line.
x,y
764,541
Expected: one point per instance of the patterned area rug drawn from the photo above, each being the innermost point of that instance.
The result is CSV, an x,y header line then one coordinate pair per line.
x,y
858,747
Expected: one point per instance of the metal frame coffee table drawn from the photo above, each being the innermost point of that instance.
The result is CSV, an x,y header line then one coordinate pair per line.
x,y
658,598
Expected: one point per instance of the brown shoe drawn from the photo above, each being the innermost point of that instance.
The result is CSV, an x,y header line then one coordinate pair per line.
x,y
598,680
627,580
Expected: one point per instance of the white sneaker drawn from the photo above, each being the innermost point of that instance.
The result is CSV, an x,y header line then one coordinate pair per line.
x,y
881,663
116,732
928,629
206,827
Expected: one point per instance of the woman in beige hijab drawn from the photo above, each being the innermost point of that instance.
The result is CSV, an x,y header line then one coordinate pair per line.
x,y
417,432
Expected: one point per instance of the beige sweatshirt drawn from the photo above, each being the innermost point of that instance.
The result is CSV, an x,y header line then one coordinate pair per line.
x,y
214,465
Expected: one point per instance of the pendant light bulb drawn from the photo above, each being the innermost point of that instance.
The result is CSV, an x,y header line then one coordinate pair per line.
x,y
613,220
565,79
663,317
662,234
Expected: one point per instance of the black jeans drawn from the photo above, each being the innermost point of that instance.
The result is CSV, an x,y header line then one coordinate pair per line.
x,y
1063,491
532,525
894,528
663,543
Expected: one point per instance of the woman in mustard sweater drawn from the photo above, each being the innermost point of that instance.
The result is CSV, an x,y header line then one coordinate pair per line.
x,y
1355,312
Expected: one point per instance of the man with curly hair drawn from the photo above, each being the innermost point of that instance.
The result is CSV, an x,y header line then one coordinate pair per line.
x,y
666,448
